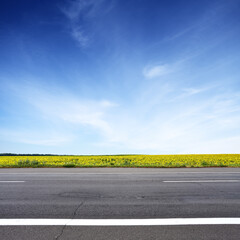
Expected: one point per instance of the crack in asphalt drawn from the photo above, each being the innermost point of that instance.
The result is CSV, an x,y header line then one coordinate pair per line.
x,y
64,226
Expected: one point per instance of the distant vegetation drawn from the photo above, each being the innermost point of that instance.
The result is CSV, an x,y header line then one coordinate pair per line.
x,y
161,161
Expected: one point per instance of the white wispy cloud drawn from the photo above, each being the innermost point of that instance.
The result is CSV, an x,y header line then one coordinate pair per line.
x,y
156,71
189,92
207,125
80,13
71,109
87,113
64,111
79,35
75,9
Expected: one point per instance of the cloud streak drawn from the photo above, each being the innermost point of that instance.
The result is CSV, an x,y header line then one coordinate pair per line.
x,y
69,108
156,71
67,115
207,127
152,71
81,13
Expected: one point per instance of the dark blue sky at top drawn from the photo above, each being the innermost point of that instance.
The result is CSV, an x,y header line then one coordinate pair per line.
x,y
39,26
149,60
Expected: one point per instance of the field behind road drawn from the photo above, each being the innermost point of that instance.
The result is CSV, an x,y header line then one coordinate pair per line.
x,y
168,161
120,193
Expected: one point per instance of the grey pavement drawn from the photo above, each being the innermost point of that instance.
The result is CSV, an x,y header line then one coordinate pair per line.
x,y
120,193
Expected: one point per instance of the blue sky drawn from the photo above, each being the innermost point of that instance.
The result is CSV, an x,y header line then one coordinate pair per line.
x,y
119,76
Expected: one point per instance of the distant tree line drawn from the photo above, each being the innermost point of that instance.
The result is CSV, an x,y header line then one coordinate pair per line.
x,y
35,154
38,154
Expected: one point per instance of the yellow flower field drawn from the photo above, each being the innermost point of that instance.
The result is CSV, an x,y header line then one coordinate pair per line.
x,y
190,160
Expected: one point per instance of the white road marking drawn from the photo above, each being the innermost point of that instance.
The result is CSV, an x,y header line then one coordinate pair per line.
x,y
119,222
180,181
116,173
12,181
202,181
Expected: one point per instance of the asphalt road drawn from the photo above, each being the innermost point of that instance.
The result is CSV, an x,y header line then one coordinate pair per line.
x,y
120,194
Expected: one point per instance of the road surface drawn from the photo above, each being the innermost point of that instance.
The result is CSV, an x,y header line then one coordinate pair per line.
x,y
120,193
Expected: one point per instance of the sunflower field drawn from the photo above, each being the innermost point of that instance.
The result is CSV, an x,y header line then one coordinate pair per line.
x,y
160,161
